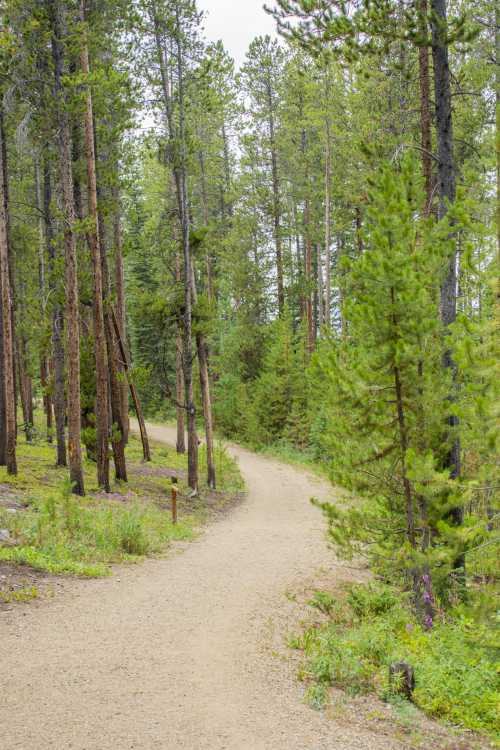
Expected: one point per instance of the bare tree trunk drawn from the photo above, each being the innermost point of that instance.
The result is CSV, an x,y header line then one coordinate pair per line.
x,y
276,201
497,139
120,307
179,377
425,108
25,390
133,390
93,238
47,400
205,395
308,277
321,290
118,440
57,323
7,353
42,285
71,272
328,228
188,287
3,428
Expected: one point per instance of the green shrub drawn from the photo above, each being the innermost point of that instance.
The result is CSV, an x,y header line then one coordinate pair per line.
x,y
455,663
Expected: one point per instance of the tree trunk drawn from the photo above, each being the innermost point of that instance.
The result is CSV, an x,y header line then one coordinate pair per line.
x,y
276,204
93,239
425,107
120,306
497,101
179,377
188,287
205,395
3,433
328,228
71,268
308,277
447,192
25,390
7,353
42,286
177,137
57,323
47,400
133,391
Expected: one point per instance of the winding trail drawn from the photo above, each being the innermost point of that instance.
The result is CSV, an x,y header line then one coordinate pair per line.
x,y
180,652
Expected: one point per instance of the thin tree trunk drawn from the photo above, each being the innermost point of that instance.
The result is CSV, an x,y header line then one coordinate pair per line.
x,y
205,395
93,239
276,200
71,272
321,289
42,285
328,228
3,428
118,440
308,277
7,353
188,287
120,305
497,120
25,390
425,107
133,390
179,377
57,322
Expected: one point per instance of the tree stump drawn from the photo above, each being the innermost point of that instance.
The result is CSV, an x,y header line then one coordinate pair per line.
x,y
402,679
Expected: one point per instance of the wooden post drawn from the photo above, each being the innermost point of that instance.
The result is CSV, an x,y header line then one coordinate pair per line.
x,y
135,396
174,500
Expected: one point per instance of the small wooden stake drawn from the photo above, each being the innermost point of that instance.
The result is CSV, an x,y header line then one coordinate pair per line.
x,y
174,500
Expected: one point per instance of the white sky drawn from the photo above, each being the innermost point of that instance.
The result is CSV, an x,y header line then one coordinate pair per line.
x,y
236,22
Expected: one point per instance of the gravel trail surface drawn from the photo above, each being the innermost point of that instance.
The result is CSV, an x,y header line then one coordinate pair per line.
x,y
180,652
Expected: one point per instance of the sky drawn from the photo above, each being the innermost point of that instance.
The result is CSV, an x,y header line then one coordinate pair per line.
x,y
236,22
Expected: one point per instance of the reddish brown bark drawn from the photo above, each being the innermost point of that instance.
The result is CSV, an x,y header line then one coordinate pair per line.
x,y
93,239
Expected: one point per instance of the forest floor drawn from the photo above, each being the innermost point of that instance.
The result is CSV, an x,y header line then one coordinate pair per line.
x,y
190,650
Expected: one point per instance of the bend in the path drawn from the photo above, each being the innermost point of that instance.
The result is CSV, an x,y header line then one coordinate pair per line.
x,y
178,652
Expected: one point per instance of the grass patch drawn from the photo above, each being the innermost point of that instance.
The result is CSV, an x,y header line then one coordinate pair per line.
x,y
25,594
372,626
60,533
63,534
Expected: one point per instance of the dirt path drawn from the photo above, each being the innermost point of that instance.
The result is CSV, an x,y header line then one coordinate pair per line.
x,y
179,652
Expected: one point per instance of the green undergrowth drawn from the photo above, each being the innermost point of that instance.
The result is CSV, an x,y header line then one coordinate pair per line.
x,y
60,533
368,627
